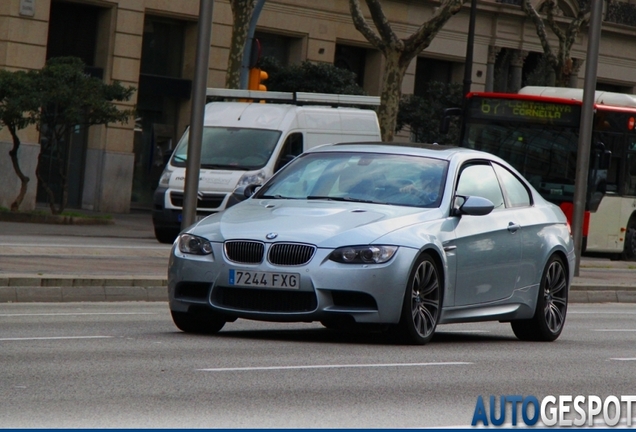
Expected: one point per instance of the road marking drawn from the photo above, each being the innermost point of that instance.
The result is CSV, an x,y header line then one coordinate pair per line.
x,y
624,359
77,313
54,338
338,366
614,330
601,313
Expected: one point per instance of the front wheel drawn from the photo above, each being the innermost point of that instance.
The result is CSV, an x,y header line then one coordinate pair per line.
x,y
549,316
629,250
197,323
422,302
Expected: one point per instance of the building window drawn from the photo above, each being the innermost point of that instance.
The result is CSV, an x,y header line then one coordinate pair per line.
x,y
353,59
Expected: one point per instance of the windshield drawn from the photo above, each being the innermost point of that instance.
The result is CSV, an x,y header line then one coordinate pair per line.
x,y
545,155
231,148
361,177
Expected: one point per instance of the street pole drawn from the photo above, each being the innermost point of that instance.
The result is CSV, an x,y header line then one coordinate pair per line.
x,y
468,65
247,51
196,116
585,131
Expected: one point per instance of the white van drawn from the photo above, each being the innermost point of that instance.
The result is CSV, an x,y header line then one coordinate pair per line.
x,y
247,142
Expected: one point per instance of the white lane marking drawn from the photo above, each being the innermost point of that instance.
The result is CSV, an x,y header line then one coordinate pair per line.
x,y
614,330
623,359
337,366
53,338
601,313
76,313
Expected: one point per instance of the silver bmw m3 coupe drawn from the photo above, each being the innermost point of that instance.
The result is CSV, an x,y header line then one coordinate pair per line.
x,y
403,237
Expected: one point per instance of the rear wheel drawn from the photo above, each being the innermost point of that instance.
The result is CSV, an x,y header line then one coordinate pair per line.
x,y
197,323
549,316
629,249
422,302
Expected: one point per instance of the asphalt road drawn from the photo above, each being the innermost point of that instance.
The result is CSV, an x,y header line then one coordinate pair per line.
x,y
124,365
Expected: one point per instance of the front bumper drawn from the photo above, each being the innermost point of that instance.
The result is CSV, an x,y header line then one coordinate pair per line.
x,y
327,290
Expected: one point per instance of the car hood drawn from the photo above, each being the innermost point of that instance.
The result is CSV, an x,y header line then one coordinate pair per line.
x,y
323,223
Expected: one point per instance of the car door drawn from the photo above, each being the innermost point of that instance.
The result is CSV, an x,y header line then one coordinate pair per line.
x,y
488,249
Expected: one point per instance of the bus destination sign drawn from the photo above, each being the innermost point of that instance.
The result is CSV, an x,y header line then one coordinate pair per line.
x,y
525,111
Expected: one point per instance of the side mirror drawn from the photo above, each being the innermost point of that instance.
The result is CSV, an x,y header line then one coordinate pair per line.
x,y
472,206
250,190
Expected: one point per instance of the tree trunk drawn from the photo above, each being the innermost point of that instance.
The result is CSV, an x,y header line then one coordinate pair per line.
x,y
24,180
391,93
241,16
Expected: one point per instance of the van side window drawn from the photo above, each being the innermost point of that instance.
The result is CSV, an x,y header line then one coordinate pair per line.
x,y
293,147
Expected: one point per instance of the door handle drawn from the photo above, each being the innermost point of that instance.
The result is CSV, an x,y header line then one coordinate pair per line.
x,y
513,227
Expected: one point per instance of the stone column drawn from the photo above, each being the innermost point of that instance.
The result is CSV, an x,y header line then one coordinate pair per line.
x,y
490,67
516,69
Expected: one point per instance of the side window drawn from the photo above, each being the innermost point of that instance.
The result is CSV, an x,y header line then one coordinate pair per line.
x,y
516,193
293,147
480,180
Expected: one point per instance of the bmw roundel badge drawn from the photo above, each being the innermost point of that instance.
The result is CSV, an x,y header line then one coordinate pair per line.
x,y
271,236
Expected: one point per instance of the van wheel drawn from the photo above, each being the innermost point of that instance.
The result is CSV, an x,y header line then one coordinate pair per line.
x,y
629,250
166,235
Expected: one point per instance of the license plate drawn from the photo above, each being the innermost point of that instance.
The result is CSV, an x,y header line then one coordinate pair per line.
x,y
264,279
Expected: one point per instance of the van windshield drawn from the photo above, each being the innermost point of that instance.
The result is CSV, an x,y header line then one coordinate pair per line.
x,y
230,148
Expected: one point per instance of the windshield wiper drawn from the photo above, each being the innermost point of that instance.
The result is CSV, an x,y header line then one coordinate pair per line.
x,y
347,199
179,158
217,166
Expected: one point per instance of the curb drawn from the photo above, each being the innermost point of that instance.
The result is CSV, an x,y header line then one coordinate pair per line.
x,y
53,219
21,289
73,289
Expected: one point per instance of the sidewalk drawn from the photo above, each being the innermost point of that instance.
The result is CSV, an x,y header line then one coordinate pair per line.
x,y
122,261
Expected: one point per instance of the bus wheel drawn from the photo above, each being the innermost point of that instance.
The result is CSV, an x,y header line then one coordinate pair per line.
x,y
629,250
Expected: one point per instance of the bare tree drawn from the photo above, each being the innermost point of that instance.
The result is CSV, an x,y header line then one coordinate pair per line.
x,y
564,66
242,11
397,52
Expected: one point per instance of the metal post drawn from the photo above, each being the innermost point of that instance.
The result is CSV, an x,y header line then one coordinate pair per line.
x,y
195,138
468,65
247,51
585,135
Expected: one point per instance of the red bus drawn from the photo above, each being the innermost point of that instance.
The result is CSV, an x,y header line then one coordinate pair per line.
x,y
537,131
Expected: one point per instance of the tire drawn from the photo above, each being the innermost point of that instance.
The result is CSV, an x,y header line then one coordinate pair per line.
x,y
629,249
422,303
166,235
198,324
552,304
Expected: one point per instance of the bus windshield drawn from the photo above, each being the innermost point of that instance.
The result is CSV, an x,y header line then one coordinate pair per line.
x,y
544,154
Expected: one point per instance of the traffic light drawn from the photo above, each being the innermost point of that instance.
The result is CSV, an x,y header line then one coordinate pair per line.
x,y
256,78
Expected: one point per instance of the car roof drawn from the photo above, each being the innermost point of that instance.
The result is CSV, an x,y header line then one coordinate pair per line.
x,y
413,149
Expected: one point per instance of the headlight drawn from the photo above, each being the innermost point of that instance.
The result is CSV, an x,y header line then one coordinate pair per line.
x,y
164,180
257,177
191,244
363,254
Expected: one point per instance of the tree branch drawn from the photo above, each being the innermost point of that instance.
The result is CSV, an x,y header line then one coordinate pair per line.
x,y
422,38
363,27
532,13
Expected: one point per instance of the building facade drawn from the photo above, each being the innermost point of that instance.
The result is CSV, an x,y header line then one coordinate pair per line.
x,y
150,45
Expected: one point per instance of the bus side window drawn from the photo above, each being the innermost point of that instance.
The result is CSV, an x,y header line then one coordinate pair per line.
x,y
293,147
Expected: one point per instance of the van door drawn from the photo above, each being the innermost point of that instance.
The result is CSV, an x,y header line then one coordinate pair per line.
x,y
293,147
